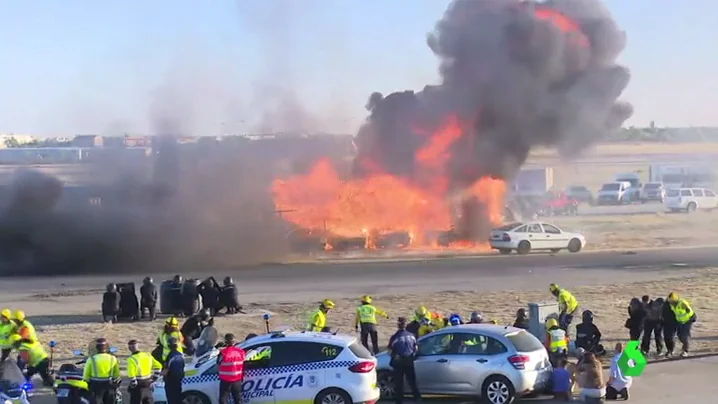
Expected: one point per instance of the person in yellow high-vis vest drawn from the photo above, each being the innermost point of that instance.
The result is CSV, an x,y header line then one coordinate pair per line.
x,y
7,328
170,330
33,354
365,322
318,319
567,305
685,317
141,368
556,341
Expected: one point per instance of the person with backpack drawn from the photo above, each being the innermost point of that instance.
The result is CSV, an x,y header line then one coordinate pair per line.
x,y
653,327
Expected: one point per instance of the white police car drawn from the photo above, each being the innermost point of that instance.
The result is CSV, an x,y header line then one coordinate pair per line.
x,y
288,367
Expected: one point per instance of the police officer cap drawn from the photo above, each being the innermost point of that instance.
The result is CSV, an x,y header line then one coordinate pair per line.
x,y
229,338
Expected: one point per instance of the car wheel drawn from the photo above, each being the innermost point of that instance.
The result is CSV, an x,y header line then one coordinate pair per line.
x,y
505,251
574,245
524,247
195,397
555,250
333,396
387,387
498,390
691,207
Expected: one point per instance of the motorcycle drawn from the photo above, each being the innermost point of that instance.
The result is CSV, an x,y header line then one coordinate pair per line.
x,y
13,386
69,387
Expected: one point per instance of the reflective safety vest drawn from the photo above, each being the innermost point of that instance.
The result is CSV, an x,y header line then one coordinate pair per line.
x,y
566,302
366,314
6,330
140,366
35,352
26,330
557,340
164,341
317,321
101,367
683,311
231,364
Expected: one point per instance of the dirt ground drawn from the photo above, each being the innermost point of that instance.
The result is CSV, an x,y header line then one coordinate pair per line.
x,y
607,302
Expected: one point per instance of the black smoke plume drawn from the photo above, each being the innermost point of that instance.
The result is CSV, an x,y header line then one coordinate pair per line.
x,y
518,76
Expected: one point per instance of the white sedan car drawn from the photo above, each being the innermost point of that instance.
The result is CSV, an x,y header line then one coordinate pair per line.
x,y
288,368
524,237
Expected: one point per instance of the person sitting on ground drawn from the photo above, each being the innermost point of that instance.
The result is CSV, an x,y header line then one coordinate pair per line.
x,y
522,320
588,336
590,376
573,370
618,384
561,381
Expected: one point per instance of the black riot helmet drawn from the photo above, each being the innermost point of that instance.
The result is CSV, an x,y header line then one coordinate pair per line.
x,y
148,280
111,287
587,316
228,281
205,314
177,279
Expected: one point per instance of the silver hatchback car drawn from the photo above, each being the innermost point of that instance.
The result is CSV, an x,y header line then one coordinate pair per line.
x,y
492,362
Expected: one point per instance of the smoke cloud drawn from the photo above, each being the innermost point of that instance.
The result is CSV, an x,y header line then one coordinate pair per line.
x,y
517,75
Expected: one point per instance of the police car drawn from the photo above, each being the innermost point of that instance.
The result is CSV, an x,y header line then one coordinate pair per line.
x,y
288,367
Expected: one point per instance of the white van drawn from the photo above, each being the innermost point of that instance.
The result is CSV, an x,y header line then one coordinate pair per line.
x,y
613,193
690,199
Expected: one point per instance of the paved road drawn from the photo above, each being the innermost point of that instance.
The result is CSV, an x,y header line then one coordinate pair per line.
x,y
288,282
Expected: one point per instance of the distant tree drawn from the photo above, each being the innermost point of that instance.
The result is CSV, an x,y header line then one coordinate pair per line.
x,y
11,142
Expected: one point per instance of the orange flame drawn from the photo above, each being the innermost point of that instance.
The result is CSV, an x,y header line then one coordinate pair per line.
x,y
382,203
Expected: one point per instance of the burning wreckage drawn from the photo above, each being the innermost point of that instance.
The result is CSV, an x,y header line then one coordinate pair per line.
x,y
431,166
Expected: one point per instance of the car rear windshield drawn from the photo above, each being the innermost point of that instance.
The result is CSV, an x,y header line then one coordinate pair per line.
x,y
360,352
509,226
524,342
672,192
611,187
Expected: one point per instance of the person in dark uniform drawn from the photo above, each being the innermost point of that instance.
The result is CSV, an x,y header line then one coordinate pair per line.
x,y
402,348
670,326
210,290
654,327
522,320
193,326
229,297
148,298
588,336
110,304
636,319
190,297
173,373
176,296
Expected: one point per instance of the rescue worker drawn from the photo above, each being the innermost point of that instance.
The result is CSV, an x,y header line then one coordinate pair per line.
x,y
365,322
636,319
148,298
653,327
556,341
171,330
685,317
402,349
522,320
173,372
110,303
7,329
141,369
567,305
34,356
102,374
476,318
24,327
588,336
229,297
318,319
230,367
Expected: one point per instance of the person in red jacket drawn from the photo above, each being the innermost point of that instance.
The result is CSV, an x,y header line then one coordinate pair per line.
x,y
230,366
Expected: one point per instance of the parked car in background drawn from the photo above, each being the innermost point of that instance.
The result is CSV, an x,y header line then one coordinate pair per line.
x,y
558,203
493,363
528,236
653,191
614,193
690,199
580,193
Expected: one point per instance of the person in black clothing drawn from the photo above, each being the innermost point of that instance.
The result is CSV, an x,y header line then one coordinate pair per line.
x,y
522,320
636,319
403,348
669,328
173,373
653,327
588,336
148,298
193,326
110,304
229,297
